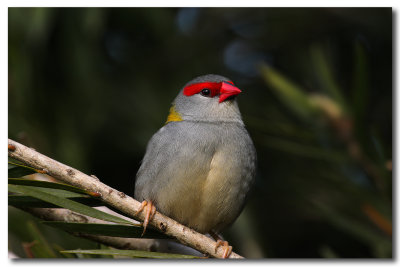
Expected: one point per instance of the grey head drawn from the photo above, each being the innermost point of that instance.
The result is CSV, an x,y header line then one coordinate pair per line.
x,y
209,98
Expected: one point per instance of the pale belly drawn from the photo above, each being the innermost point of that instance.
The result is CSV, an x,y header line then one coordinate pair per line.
x,y
211,200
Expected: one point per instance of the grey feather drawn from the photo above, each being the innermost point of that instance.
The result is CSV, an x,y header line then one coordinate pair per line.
x,y
199,170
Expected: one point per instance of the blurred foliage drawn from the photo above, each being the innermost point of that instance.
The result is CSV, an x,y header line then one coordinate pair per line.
x,y
89,87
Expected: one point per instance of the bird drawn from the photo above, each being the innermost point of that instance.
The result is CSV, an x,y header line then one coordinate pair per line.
x,y
200,166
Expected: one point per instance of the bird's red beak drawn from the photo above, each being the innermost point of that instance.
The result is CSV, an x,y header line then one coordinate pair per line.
x,y
227,90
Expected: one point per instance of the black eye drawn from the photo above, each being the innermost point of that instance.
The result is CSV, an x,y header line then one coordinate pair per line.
x,y
205,92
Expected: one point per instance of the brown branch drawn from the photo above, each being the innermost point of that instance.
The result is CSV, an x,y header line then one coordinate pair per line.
x,y
116,199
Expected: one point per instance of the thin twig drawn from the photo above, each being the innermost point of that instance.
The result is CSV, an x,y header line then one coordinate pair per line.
x,y
116,199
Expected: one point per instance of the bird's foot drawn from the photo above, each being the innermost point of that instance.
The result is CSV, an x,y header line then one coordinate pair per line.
x,y
149,210
221,242
225,245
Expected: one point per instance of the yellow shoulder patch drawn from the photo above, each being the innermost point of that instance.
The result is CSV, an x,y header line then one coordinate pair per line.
x,y
173,115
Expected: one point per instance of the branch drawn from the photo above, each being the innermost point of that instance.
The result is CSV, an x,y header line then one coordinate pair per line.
x,y
116,199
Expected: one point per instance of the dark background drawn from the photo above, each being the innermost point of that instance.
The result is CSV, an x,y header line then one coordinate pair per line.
x,y
89,86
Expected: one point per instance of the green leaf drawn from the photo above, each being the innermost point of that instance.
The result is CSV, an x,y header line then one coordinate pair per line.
x,y
53,191
41,248
65,255
291,94
57,192
324,73
45,184
106,229
21,201
66,203
131,253
18,170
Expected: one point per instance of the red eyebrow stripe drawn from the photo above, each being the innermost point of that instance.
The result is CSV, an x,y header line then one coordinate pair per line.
x,y
197,87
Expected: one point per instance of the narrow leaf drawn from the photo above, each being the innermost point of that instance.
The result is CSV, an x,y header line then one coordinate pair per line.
x,y
66,203
41,248
65,255
45,184
325,75
18,170
57,192
21,201
131,253
291,94
117,230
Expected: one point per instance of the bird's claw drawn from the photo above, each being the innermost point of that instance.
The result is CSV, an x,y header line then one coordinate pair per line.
x,y
149,209
227,248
